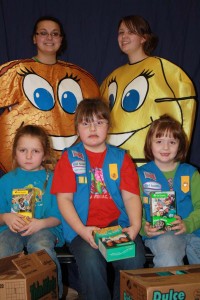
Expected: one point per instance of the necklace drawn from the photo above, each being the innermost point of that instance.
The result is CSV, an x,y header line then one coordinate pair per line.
x,y
36,59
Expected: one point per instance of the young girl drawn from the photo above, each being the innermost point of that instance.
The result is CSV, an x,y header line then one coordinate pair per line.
x,y
97,186
166,149
39,227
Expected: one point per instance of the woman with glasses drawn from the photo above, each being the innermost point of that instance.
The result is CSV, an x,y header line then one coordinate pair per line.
x,y
49,38
42,90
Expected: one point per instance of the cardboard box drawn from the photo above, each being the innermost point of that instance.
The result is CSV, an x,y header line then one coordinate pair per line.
x,y
163,209
114,244
28,277
171,283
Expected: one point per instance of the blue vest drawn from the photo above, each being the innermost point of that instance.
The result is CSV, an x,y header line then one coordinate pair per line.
x,y
152,179
81,167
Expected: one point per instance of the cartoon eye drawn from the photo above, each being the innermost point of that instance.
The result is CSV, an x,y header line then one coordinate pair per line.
x,y
112,91
39,92
69,94
134,94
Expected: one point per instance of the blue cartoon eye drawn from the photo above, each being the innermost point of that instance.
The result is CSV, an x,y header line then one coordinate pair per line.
x,y
43,99
112,91
39,92
134,94
131,100
69,95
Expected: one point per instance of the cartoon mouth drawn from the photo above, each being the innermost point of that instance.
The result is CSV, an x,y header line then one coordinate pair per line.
x,y
119,138
60,142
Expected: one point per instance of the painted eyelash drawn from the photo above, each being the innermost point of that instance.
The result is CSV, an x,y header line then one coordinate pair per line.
x,y
112,80
72,77
147,74
25,72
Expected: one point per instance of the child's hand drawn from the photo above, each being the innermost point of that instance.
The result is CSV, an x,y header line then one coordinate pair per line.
x,y
32,227
179,226
152,231
132,233
87,235
14,221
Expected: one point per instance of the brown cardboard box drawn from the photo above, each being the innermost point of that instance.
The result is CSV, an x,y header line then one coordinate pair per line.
x,y
28,277
172,283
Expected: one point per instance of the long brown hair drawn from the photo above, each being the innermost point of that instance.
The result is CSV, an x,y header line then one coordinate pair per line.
x,y
141,27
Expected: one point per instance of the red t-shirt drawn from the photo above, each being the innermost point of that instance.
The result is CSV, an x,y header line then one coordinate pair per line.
x,y
102,208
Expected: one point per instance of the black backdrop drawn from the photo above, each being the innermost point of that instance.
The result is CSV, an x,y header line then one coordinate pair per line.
x,y
91,29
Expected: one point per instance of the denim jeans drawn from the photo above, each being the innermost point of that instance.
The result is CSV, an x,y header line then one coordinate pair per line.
x,y
12,243
93,269
169,249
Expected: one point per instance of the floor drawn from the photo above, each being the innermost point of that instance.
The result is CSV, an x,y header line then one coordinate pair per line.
x,y
72,294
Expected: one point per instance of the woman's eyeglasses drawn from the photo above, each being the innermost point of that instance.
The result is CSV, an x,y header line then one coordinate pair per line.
x,y
53,34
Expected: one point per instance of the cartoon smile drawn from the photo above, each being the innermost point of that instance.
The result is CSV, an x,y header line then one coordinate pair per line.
x,y
119,138
59,142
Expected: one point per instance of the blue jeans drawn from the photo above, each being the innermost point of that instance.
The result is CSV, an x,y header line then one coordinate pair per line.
x,y
12,243
169,249
93,269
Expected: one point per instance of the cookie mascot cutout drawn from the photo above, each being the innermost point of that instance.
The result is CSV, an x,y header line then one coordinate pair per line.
x,y
46,93
144,89
43,95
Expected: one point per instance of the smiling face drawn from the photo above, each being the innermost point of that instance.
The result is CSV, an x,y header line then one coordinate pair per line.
x,y
130,42
164,149
47,38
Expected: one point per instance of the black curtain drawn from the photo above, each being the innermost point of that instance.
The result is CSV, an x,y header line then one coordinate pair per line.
x,y
91,28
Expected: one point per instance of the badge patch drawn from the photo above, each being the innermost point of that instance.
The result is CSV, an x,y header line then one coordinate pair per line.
x,y
145,200
151,187
113,171
77,154
82,179
79,167
185,184
150,175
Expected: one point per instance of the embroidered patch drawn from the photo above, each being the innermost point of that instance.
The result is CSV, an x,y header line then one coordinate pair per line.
x,y
113,171
150,175
82,179
77,154
79,167
151,187
145,200
185,184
